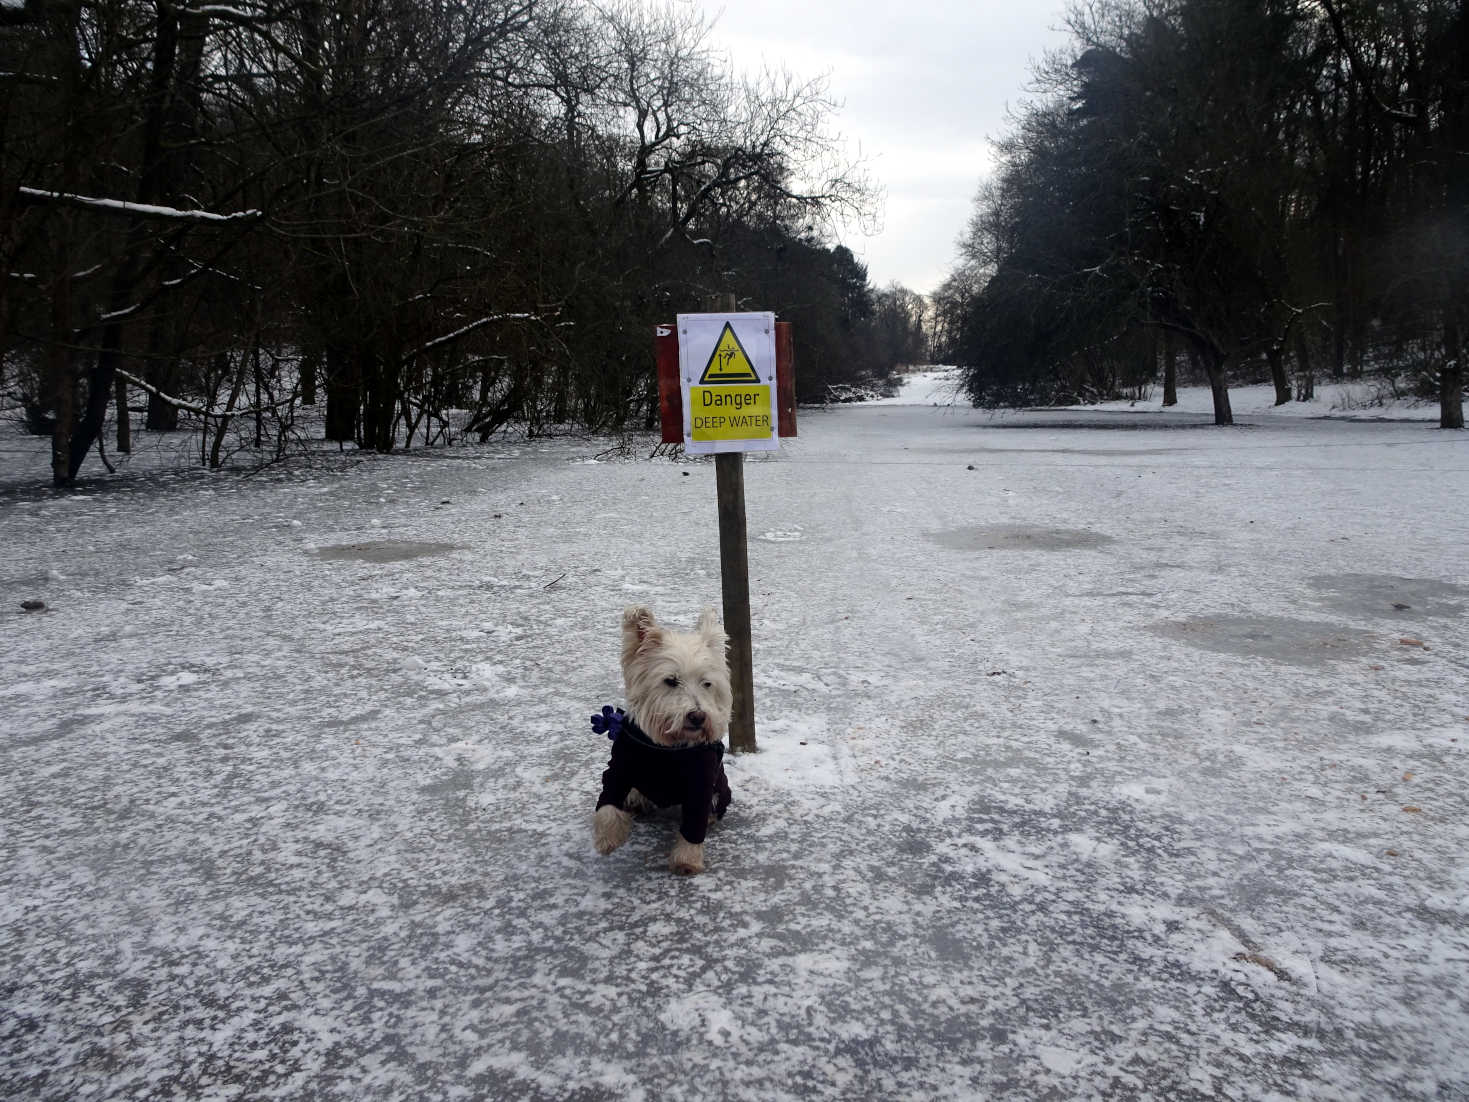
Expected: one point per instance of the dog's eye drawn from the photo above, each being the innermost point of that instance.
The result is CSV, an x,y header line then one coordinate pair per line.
x,y
708,684
671,682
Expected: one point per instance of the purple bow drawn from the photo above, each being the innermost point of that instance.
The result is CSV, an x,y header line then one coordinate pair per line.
x,y
609,722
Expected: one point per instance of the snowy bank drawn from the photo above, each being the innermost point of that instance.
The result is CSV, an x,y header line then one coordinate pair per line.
x,y
1359,400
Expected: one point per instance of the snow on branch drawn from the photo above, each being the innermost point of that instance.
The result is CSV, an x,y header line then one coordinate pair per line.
x,y
224,11
193,407
139,210
196,269
465,329
177,403
116,315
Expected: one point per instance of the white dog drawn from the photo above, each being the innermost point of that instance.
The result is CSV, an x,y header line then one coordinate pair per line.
x,y
668,749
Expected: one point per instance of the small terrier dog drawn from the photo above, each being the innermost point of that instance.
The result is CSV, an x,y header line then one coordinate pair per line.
x,y
669,747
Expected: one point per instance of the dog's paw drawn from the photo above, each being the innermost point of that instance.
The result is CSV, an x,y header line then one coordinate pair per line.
x,y
611,828
687,858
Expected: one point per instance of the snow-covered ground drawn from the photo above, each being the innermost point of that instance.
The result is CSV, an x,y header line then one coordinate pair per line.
x,y
1359,400
1093,764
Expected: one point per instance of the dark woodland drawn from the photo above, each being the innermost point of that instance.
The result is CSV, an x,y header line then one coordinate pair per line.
x,y
401,223
1227,191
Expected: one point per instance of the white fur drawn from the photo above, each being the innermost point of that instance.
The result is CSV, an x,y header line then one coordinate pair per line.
x,y
611,827
677,691
686,858
677,682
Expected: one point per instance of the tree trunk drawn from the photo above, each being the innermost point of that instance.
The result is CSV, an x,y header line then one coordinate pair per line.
x,y
310,364
343,390
1454,136
100,377
62,380
561,399
1223,415
60,360
163,416
237,383
163,372
379,400
485,379
178,114
1305,373
486,420
1451,377
124,420
139,239
1170,370
1275,356
1215,366
259,413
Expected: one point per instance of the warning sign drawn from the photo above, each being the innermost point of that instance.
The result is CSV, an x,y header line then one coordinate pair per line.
x,y
727,374
728,363
729,412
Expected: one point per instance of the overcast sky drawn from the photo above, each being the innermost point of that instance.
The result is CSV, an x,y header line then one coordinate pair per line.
x,y
924,85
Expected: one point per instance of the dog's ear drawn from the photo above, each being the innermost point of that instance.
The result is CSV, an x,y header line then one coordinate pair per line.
x,y
637,624
711,629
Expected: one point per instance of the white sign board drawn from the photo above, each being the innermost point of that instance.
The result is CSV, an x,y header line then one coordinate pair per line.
x,y
726,367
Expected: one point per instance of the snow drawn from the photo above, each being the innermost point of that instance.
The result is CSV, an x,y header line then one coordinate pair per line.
x,y
122,206
296,781
471,327
227,12
1367,400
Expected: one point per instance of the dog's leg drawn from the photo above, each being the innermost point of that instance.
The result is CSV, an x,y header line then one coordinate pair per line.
x,y
639,804
611,827
687,857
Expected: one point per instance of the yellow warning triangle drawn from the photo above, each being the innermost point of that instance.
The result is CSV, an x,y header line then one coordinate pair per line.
x,y
729,363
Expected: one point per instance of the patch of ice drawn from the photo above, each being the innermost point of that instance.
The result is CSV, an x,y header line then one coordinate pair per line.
x,y
474,755
702,1013
492,679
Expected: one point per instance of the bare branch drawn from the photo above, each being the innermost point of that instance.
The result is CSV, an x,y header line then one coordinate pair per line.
x,y
123,208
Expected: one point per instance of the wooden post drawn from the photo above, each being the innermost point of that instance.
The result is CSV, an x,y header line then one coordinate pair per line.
x,y
734,572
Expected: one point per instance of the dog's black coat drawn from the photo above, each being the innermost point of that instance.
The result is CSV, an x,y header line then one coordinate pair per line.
x,y
691,774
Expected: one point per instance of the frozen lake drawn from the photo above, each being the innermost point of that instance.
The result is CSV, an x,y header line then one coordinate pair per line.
x,y
1093,763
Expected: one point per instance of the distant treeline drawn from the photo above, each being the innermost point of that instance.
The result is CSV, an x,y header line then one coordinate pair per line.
x,y
1242,188
411,214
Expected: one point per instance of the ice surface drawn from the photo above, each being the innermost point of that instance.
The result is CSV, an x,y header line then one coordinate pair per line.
x,y
1059,819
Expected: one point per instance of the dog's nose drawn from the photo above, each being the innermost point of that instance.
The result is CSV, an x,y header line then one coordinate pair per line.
x,y
695,719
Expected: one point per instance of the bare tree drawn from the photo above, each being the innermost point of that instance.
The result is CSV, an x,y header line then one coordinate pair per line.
x,y
473,206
